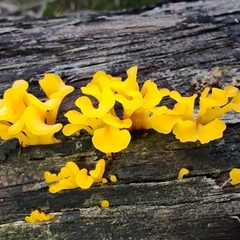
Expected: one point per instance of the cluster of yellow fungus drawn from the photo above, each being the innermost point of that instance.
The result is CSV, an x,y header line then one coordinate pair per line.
x,y
25,117
70,177
112,178
37,216
206,125
110,131
141,110
112,108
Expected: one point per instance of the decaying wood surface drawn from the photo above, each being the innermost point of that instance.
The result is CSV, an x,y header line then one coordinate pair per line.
x,y
177,46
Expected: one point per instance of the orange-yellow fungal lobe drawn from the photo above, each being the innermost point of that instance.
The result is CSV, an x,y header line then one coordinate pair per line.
x,y
97,173
130,84
235,176
54,87
105,204
106,103
111,139
37,216
151,94
182,173
113,178
50,177
104,180
116,122
83,180
34,121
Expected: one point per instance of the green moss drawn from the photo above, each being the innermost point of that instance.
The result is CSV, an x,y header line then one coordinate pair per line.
x,y
94,200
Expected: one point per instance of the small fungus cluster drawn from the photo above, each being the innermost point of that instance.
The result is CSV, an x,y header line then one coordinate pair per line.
x,y
37,216
141,109
25,117
110,131
70,177
207,125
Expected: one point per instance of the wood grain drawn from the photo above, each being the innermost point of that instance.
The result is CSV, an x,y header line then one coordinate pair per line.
x,y
173,45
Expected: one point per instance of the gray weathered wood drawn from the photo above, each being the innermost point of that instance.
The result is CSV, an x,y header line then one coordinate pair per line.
x,y
172,45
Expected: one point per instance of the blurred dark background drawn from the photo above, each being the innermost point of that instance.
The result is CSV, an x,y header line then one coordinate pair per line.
x,y
55,8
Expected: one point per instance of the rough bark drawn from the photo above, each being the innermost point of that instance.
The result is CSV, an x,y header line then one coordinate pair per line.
x,y
172,45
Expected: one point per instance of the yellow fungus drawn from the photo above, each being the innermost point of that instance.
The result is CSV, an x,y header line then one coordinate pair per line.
x,y
207,125
83,180
111,139
104,180
54,87
189,130
25,117
117,122
97,173
37,216
105,204
152,95
130,84
113,178
70,177
106,103
50,177
37,123
235,176
110,131
182,173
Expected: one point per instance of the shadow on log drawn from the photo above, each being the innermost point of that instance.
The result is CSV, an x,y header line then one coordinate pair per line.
x,y
176,45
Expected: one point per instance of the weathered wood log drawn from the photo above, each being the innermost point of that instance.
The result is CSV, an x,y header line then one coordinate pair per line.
x,y
176,45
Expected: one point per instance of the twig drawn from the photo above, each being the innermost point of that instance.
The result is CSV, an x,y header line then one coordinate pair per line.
x,y
225,183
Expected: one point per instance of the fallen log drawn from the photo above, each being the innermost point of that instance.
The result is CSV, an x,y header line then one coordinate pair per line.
x,y
177,46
